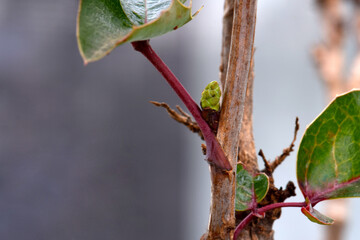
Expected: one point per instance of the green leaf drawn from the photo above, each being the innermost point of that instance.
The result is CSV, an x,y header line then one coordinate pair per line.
x,y
250,190
315,216
261,186
104,24
328,161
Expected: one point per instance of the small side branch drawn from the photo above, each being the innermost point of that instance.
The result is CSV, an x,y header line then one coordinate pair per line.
x,y
268,170
181,117
215,154
271,166
286,152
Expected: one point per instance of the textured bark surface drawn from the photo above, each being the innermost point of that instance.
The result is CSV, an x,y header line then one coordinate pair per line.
x,y
247,152
226,39
236,136
258,229
222,212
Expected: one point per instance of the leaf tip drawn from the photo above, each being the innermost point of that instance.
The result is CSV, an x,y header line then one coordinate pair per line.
x,y
316,217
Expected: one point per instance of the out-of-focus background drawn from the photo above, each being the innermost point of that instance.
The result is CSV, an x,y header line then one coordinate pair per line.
x,y
83,155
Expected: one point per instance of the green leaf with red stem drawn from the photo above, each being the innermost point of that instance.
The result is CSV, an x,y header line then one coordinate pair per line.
x,y
260,212
214,152
250,189
328,161
104,24
315,216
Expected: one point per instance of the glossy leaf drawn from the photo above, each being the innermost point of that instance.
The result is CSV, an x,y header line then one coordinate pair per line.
x,y
104,24
328,162
250,190
315,216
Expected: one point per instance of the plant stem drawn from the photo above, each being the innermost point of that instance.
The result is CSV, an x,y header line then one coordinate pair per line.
x,y
262,210
242,225
215,155
236,60
279,205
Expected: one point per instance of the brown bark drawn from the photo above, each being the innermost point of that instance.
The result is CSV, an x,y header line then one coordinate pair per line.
x,y
226,39
222,212
247,152
236,137
260,229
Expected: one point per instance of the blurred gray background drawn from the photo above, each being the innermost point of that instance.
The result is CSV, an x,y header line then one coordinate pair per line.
x,y
83,155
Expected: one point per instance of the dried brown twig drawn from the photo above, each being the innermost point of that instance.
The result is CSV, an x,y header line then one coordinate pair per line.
x,y
271,166
181,117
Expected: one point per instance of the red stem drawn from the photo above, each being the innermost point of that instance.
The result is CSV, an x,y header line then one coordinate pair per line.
x,y
242,225
262,210
215,155
282,204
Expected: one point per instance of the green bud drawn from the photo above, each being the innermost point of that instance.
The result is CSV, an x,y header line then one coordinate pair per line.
x,y
210,97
